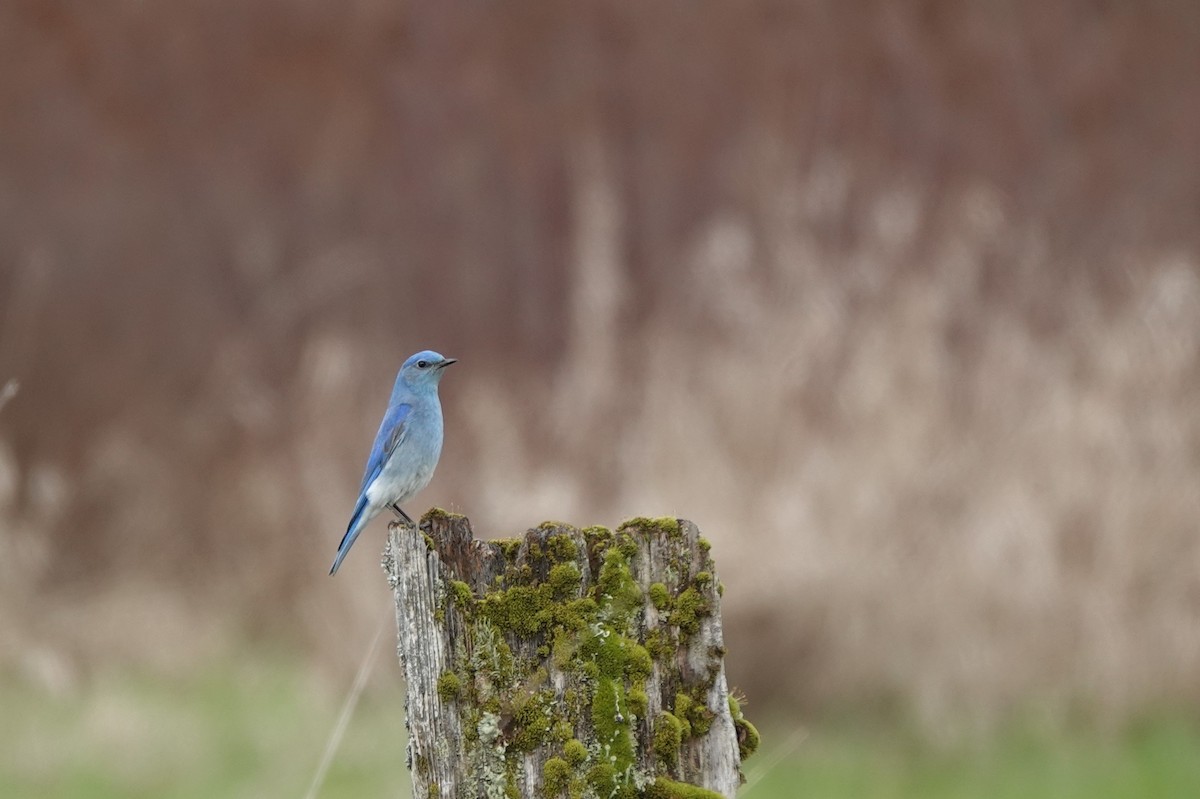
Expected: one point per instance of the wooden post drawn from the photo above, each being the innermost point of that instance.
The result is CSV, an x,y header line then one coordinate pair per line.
x,y
568,663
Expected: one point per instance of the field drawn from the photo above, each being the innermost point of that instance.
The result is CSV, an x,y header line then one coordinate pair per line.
x,y
258,729
898,302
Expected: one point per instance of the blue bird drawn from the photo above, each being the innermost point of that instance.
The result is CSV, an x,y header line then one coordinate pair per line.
x,y
406,449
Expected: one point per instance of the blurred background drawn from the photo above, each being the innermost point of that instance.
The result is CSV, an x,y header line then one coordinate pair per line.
x,y
899,302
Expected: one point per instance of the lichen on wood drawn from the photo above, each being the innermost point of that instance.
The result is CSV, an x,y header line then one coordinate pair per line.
x,y
574,663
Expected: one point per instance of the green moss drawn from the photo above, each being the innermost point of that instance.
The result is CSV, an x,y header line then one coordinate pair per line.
x,y
668,735
663,788
701,720
509,547
532,722
562,548
613,723
440,515
563,649
690,607
664,525
616,657
660,597
658,645
616,582
449,686
575,752
747,734
597,534
576,613
514,610
556,776
537,600
683,707
602,777
527,610
617,667
747,737
562,731
430,544
434,791
638,664
639,703
461,595
705,546
693,712
564,578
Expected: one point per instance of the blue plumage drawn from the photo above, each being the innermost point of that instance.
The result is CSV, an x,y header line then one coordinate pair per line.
x,y
406,448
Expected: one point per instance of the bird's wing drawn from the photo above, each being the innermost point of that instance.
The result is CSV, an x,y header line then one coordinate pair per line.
x,y
391,433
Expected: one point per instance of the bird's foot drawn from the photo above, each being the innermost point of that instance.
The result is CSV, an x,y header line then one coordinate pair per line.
x,y
399,512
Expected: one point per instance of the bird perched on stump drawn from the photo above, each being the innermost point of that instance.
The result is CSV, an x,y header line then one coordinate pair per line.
x,y
406,449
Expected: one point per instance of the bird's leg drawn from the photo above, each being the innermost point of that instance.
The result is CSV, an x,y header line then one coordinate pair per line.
x,y
395,506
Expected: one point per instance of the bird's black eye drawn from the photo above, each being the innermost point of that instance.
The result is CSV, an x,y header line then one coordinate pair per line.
x,y
422,364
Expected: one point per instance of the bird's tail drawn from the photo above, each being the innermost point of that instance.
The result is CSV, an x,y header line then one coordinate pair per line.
x,y
357,522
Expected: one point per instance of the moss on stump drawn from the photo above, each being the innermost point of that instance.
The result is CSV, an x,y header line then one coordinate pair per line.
x,y
570,663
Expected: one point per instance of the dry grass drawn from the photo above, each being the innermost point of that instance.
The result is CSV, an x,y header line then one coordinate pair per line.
x,y
901,306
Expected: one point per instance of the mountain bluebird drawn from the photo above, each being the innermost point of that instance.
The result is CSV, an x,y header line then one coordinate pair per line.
x,y
406,448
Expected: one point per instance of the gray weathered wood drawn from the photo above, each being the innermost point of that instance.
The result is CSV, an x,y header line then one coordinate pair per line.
x,y
573,663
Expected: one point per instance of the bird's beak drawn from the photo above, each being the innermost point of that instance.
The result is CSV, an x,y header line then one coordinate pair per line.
x,y
447,362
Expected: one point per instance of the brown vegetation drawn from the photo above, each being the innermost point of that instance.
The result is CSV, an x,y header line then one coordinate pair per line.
x,y
899,302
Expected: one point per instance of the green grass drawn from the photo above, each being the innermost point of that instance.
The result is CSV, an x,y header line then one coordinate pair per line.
x,y
253,730
259,728
1154,759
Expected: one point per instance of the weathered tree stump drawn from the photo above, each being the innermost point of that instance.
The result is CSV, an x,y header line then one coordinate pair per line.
x,y
570,663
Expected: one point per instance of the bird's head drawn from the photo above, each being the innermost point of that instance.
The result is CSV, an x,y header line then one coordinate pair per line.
x,y
424,369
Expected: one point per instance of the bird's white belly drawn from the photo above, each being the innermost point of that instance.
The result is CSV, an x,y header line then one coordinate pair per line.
x,y
395,486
